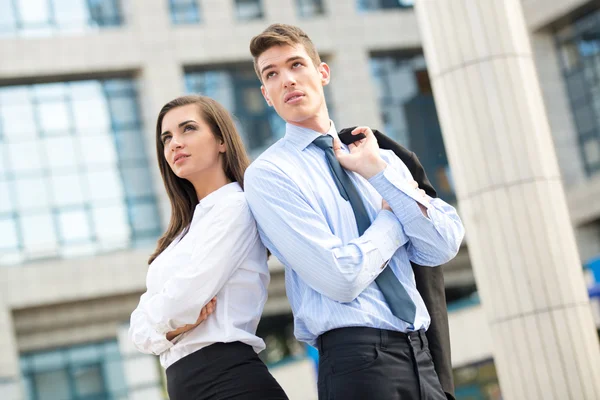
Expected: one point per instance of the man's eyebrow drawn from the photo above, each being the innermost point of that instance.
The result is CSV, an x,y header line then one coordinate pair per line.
x,y
293,58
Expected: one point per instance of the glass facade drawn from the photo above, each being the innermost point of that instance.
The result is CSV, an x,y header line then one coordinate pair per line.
x,y
248,9
370,5
478,381
184,11
46,17
87,372
409,115
74,176
579,47
310,8
238,89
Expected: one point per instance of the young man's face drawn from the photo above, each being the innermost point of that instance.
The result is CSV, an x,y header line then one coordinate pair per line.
x,y
293,85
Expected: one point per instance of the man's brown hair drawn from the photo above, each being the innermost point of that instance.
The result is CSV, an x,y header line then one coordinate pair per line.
x,y
281,35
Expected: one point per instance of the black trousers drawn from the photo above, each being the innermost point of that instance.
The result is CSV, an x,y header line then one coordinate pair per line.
x,y
376,364
222,371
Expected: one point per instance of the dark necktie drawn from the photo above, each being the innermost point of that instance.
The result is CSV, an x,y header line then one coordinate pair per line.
x,y
394,292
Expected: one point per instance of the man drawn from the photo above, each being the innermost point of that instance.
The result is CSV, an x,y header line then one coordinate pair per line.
x,y
346,221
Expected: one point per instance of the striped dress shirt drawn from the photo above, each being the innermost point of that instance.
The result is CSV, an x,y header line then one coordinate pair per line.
x,y
311,229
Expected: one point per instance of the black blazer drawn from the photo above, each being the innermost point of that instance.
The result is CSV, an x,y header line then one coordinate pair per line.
x,y
430,281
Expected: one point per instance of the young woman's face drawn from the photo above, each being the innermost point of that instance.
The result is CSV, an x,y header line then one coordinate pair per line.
x,y
190,147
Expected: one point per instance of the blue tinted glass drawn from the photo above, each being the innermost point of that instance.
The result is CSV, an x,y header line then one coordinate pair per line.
x,y
48,17
184,11
93,371
409,114
579,47
248,9
85,149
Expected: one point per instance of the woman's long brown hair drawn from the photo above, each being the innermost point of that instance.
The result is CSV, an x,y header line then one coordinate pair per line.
x,y
181,192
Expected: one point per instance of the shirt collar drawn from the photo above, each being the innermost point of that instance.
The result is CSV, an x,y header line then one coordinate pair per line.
x,y
301,137
222,192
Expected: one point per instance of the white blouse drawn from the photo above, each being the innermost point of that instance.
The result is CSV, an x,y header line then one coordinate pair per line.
x,y
221,255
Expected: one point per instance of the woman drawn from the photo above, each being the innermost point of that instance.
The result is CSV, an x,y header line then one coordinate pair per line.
x,y
207,281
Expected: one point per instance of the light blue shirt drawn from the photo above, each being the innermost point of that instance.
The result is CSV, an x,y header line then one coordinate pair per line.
x,y
311,229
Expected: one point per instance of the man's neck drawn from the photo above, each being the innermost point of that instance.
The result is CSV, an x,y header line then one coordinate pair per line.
x,y
319,124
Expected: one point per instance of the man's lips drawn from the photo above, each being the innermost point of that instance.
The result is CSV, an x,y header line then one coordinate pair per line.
x,y
293,96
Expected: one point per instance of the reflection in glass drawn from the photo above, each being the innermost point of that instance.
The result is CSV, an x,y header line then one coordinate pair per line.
x,y
310,8
111,226
66,161
248,9
45,17
6,202
97,150
579,46
52,385
32,194
24,156
104,185
61,152
73,226
38,233
184,11
83,372
54,117
409,115
8,234
369,5
66,189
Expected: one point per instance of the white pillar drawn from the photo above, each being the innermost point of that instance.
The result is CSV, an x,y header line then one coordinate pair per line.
x,y
10,374
520,237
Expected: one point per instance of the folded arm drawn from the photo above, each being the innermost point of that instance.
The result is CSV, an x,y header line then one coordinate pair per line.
x,y
301,238
434,238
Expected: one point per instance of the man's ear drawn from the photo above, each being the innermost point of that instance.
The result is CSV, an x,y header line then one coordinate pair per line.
x,y
325,73
266,95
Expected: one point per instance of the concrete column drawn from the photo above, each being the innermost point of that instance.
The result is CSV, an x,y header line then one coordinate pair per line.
x,y
511,198
10,384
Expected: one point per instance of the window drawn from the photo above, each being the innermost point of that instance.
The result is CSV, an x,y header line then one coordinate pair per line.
x,y
45,17
579,49
409,115
74,176
370,5
93,371
310,8
184,11
248,9
238,89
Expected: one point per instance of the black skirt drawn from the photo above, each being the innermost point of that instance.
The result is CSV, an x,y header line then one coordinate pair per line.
x,y
222,371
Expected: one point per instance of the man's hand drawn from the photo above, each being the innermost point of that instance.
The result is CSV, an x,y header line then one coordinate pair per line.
x,y
385,205
204,313
364,158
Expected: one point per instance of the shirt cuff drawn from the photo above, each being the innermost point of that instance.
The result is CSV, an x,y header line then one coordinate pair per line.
x,y
160,343
399,194
388,235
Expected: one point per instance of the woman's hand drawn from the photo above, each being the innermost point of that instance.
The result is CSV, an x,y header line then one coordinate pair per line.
x,y
204,313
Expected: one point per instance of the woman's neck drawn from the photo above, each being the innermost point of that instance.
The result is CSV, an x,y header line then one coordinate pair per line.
x,y
209,182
